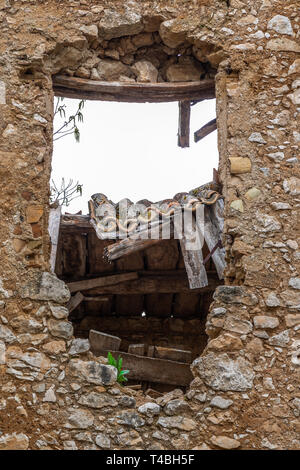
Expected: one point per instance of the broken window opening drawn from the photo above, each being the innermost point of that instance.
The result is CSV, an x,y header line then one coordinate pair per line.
x,y
149,313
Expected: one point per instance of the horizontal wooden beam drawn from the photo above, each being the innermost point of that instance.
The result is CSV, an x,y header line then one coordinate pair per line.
x,y
101,282
154,285
76,223
148,369
81,88
210,127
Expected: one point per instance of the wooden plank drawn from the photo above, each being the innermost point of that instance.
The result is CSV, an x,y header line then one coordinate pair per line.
x,y
75,222
96,299
148,369
210,127
54,223
98,265
137,349
101,282
212,234
184,124
75,87
74,255
100,341
193,258
75,301
153,285
172,354
126,247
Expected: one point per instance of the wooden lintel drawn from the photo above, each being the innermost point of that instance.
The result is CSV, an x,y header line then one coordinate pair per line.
x,y
184,124
210,127
148,369
75,87
101,281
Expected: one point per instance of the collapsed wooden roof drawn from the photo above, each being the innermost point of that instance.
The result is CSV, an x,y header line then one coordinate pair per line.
x,y
95,263
145,224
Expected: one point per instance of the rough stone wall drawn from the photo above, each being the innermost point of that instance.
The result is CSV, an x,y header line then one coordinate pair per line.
x,y
245,394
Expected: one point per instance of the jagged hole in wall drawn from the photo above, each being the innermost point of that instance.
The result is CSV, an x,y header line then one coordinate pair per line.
x,y
130,151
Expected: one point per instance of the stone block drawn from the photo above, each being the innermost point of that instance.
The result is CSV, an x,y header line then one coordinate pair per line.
x,y
240,165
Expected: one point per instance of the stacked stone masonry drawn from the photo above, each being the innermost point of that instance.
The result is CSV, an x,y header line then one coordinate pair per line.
x,y
246,390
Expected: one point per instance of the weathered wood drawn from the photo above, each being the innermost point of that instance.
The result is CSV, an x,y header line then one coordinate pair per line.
x,y
75,301
137,349
127,246
54,223
74,254
75,222
101,281
96,299
97,263
210,127
172,354
150,352
74,87
212,235
100,341
184,123
191,248
148,369
153,285
153,393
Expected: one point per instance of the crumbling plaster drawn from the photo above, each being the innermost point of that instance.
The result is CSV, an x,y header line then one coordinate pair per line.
x,y
53,392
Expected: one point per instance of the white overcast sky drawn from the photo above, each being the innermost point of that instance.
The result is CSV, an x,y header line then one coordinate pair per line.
x,y
130,150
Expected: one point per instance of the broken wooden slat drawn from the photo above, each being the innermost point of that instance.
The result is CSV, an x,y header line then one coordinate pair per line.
x,y
150,392
100,341
72,223
184,124
150,352
75,87
212,234
193,258
126,247
172,354
75,301
210,127
101,281
137,349
154,285
54,223
148,369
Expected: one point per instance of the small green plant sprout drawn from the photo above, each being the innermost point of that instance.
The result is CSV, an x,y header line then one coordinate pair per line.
x,y
117,363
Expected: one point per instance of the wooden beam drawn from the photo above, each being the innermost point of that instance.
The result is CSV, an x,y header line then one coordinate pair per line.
x,y
154,285
172,354
75,301
74,87
100,341
148,369
74,223
101,282
210,127
193,259
127,247
96,299
184,124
